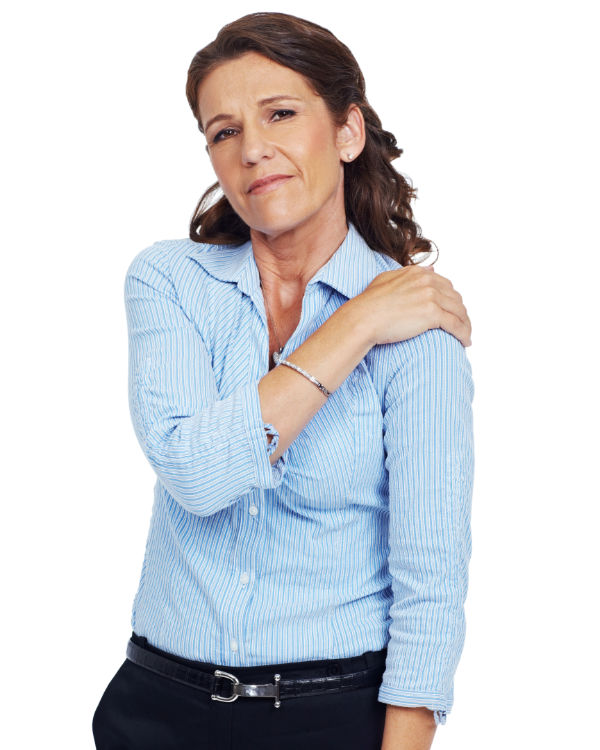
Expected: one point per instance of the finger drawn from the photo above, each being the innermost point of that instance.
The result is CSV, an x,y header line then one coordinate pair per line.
x,y
454,325
453,303
435,280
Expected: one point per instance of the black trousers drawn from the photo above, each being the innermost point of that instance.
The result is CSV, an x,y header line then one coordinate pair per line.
x,y
142,710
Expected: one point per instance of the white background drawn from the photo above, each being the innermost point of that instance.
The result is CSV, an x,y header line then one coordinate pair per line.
x,y
493,104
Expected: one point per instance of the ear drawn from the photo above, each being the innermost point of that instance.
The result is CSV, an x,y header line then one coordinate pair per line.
x,y
350,139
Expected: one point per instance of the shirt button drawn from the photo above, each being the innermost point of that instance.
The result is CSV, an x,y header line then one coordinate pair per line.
x,y
244,578
253,510
234,644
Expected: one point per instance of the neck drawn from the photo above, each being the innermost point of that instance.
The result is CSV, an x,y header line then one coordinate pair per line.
x,y
287,260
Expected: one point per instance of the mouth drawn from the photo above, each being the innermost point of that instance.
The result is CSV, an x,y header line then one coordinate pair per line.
x,y
267,184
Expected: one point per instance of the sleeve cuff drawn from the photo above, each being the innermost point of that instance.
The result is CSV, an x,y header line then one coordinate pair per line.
x,y
267,476
272,431
397,697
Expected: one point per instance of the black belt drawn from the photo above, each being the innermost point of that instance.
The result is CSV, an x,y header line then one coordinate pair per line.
x,y
213,682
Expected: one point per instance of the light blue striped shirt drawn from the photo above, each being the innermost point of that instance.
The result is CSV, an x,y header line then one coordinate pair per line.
x,y
357,538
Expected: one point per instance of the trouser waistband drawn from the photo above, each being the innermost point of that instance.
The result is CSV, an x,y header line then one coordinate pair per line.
x,y
287,680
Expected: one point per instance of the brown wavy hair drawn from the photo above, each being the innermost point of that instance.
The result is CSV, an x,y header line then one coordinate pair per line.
x,y
377,198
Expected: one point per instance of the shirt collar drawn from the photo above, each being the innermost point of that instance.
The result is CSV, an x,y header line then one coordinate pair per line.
x,y
349,270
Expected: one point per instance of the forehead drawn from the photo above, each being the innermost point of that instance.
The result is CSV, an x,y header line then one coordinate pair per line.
x,y
246,80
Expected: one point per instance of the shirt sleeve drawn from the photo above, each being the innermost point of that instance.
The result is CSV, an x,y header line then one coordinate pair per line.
x,y
428,440
207,451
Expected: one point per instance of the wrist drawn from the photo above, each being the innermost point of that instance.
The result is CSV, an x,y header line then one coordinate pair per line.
x,y
358,322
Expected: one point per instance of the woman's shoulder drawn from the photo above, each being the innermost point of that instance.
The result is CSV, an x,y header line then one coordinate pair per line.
x,y
423,346
162,253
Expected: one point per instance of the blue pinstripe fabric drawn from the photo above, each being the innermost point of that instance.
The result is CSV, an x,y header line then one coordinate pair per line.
x,y
357,537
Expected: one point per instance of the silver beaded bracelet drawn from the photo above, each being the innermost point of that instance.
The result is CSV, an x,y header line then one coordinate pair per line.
x,y
320,386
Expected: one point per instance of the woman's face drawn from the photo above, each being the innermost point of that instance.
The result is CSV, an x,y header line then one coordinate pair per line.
x,y
262,119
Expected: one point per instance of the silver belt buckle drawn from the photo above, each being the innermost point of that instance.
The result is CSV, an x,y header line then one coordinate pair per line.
x,y
270,690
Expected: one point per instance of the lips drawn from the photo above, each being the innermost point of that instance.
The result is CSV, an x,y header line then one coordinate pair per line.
x,y
267,180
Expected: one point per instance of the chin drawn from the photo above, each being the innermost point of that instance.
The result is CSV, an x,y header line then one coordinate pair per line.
x,y
277,224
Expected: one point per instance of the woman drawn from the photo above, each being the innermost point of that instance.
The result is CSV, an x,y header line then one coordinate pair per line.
x,y
301,388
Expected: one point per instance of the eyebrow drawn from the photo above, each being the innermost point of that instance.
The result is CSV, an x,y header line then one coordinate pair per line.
x,y
261,103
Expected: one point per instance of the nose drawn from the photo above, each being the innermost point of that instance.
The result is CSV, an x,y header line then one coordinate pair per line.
x,y
255,145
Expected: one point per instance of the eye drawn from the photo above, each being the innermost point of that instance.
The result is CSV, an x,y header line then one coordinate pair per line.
x,y
284,112
220,133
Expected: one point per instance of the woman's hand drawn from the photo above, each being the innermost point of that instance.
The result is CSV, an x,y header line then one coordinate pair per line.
x,y
407,301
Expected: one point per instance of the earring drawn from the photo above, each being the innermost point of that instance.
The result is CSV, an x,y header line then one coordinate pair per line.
x,y
349,157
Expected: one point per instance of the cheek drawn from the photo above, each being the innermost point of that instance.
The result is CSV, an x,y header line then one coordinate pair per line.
x,y
320,142
222,168
226,174
322,162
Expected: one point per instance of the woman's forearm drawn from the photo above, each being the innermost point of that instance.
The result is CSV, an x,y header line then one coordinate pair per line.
x,y
408,728
288,400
